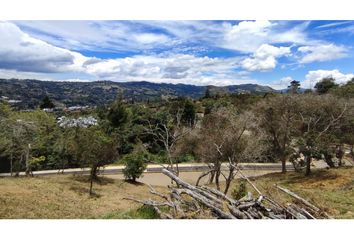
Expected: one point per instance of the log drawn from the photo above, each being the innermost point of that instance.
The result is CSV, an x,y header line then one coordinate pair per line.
x,y
236,212
207,202
221,195
295,213
245,206
186,185
305,202
148,202
205,199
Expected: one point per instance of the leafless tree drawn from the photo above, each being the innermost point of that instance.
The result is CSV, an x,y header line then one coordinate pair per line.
x,y
227,138
169,132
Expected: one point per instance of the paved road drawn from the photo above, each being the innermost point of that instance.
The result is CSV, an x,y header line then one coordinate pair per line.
x,y
155,168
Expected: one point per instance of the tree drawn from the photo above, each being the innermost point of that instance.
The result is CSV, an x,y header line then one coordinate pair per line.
x,y
189,113
27,134
294,87
276,116
94,149
207,93
47,103
135,164
346,90
227,136
317,119
168,130
118,114
325,85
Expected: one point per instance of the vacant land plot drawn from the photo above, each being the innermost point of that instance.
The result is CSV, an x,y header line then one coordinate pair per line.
x,y
65,196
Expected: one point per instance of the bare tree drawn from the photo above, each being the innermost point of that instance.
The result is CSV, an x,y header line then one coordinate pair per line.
x,y
227,138
169,132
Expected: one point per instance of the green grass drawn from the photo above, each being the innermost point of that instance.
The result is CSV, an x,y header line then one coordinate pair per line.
x,y
144,212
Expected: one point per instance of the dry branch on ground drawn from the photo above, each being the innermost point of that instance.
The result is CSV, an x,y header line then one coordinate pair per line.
x,y
188,201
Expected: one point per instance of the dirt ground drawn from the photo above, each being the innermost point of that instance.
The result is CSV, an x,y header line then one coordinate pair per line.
x,y
158,179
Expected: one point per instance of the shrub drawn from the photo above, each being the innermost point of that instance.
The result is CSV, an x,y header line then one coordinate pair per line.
x,y
239,191
135,164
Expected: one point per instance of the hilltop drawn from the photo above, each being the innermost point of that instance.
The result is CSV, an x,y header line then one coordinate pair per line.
x,y
31,92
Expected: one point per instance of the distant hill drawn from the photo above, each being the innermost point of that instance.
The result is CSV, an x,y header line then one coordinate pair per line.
x,y
31,92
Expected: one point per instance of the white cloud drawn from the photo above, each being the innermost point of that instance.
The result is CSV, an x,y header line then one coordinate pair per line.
x,y
264,58
244,36
21,52
248,36
24,56
96,35
282,83
312,77
149,38
174,68
321,53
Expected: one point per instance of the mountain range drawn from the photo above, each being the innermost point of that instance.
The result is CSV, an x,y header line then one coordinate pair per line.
x,y
28,93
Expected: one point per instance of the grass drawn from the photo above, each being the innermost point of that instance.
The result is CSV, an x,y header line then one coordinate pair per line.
x,y
66,197
144,212
332,190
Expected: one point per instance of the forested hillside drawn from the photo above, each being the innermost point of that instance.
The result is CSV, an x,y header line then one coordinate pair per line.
x,y
31,92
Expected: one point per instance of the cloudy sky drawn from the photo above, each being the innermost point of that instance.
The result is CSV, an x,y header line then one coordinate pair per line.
x,y
192,52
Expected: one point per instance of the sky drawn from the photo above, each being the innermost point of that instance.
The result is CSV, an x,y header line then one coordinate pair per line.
x,y
220,53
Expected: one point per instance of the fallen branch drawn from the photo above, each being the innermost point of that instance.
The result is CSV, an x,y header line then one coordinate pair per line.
x,y
297,197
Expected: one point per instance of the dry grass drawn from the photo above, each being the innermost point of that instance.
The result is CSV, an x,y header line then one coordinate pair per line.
x,y
58,197
332,190
66,196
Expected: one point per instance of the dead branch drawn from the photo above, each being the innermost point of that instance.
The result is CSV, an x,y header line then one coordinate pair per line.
x,y
305,202
188,201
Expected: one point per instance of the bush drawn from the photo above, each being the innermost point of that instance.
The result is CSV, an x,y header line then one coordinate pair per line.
x,y
240,191
186,158
135,164
144,212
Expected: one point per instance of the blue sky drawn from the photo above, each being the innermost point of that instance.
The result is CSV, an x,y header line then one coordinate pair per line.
x,y
192,52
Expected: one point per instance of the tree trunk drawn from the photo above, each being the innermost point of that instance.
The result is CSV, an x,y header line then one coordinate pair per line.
x,y
217,176
229,179
11,164
308,166
27,160
212,175
283,165
93,175
91,183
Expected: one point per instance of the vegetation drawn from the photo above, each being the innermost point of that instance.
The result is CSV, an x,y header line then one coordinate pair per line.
x,y
65,196
46,103
325,85
31,93
219,129
331,190
135,164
